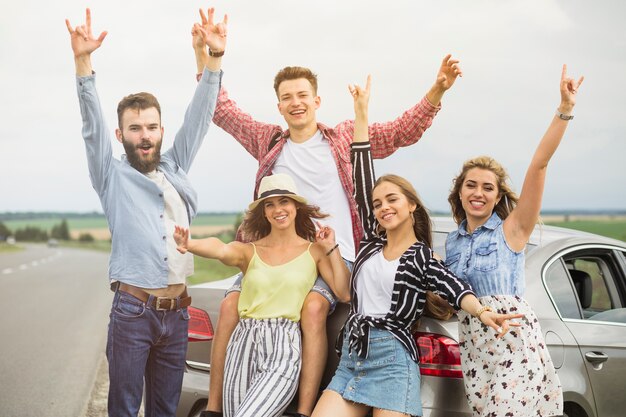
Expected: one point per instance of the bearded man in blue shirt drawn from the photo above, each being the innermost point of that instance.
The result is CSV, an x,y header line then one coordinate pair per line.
x,y
143,196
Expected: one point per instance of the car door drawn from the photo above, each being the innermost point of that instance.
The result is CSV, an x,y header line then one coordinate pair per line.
x,y
588,286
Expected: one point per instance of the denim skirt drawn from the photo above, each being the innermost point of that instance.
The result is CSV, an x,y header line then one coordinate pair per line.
x,y
387,379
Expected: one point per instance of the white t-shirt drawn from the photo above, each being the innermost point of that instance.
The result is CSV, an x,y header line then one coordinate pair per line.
x,y
375,285
313,168
180,266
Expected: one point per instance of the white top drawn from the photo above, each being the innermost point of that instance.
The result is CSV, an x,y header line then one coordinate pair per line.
x,y
375,285
180,266
313,168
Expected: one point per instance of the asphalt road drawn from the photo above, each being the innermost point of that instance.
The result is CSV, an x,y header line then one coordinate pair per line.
x,y
54,307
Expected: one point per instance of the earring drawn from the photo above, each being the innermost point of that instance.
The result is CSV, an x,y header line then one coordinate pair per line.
x,y
412,218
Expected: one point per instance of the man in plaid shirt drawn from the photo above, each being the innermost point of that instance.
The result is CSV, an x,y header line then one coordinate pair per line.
x,y
318,158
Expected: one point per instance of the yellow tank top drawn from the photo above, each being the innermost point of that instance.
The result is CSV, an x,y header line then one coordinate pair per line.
x,y
276,291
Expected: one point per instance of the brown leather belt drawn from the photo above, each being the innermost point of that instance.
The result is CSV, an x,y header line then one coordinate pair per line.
x,y
158,303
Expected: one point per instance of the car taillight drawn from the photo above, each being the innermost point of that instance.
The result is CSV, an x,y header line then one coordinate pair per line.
x,y
439,355
200,327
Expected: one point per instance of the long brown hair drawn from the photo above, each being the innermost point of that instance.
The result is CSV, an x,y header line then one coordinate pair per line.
x,y
422,226
256,226
436,306
508,198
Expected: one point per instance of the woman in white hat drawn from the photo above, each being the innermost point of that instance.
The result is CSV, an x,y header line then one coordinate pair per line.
x,y
280,266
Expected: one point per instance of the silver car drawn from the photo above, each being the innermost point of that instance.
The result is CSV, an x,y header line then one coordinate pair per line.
x,y
575,282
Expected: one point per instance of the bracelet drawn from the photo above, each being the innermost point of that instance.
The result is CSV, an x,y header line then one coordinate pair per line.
x,y
482,310
564,116
331,251
216,54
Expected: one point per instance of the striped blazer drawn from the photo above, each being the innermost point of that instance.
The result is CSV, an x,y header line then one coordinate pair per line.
x,y
418,271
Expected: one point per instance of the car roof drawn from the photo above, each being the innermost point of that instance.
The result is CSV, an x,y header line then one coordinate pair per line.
x,y
541,236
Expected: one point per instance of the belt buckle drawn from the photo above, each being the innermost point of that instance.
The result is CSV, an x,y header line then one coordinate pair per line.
x,y
158,303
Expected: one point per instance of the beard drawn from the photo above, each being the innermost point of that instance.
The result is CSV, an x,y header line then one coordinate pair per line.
x,y
140,163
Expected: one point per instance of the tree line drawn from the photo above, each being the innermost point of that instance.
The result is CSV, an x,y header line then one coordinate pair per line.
x,y
59,231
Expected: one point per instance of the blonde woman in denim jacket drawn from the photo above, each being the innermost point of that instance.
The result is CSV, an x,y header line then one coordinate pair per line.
x,y
513,375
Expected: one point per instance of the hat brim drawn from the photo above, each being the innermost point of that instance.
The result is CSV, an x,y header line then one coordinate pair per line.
x,y
293,196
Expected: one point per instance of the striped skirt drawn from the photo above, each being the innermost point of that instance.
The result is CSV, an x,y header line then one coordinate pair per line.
x,y
263,362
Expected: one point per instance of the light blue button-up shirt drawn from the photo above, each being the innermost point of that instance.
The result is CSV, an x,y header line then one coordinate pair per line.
x,y
485,260
133,204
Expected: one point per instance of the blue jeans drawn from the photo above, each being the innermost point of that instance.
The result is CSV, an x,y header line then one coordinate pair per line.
x,y
145,343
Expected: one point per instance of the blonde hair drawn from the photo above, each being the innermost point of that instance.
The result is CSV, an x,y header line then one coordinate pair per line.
x,y
508,198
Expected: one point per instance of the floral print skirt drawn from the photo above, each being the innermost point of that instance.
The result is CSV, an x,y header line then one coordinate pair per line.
x,y
511,376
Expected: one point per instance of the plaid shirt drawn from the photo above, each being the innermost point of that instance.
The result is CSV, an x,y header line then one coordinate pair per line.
x,y
265,141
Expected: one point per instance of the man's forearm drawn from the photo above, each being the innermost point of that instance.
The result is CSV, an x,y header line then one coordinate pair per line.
x,y
203,59
435,94
83,65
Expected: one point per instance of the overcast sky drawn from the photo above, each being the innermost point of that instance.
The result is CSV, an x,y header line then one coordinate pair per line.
x,y
511,54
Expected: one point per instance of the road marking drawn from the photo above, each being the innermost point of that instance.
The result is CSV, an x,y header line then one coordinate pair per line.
x,y
34,263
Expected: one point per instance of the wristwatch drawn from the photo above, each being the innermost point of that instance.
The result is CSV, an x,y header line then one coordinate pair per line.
x,y
564,116
216,54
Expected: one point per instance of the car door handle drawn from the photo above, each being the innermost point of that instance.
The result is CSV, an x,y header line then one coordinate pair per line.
x,y
596,357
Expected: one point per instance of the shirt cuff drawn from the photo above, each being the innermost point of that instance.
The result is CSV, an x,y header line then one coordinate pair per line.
x,y
210,77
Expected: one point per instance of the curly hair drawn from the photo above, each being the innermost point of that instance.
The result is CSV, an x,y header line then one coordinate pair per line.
x,y
256,226
508,198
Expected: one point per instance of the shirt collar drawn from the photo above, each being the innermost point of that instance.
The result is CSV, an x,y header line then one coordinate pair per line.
x,y
491,224
326,132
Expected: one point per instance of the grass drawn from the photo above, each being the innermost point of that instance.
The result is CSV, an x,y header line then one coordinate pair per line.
x,y
4,247
207,270
615,229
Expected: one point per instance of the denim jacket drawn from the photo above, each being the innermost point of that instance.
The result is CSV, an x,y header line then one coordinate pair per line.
x,y
485,260
133,204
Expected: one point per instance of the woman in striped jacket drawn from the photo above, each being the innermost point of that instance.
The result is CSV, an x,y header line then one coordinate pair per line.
x,y
394,269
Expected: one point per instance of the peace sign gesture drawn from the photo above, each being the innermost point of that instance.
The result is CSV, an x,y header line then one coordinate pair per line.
x,y
213,34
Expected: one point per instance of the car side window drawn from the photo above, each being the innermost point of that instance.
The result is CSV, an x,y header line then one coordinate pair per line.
x,y
562,291
600,298
598,283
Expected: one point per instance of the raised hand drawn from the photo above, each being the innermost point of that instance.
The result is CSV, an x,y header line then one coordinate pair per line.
x,y
213,35
448,72
181,237
361,96
83,41
569,89
325,236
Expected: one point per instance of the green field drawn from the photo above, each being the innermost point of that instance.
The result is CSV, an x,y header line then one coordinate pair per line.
x,y
99,222
615,229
